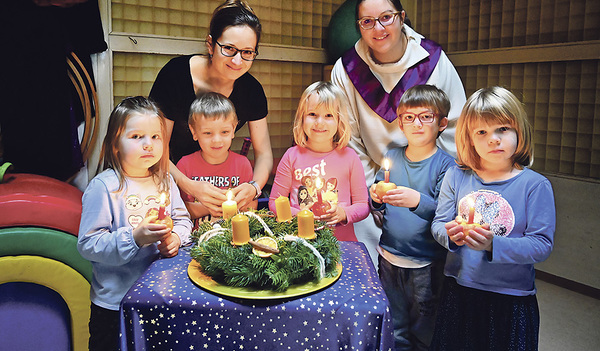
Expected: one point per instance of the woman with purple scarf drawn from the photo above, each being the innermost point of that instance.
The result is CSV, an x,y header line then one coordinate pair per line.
x,y
389,58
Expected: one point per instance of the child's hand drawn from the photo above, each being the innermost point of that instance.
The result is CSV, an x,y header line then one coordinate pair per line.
x,y
455,232
402,197
169,245
480,238
374,194
334,215
147,232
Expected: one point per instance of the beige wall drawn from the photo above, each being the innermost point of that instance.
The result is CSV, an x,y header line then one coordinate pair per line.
x,y
548,52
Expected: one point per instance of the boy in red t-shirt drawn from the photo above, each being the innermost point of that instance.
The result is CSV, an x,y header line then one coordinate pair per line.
x,y
212,122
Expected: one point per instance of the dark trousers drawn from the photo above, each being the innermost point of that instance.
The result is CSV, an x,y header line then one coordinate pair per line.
x,y
104,329
413,294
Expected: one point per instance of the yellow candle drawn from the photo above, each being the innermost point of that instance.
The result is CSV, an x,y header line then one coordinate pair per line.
x,y
241,231
229,207
284,211
306,224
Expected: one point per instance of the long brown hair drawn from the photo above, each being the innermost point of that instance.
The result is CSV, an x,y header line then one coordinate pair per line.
x,y
116,126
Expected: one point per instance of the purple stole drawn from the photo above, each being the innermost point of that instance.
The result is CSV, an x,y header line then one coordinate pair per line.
x,y
372,92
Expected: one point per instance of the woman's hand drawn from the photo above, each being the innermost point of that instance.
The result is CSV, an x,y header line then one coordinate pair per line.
x,y
147,232
169,245
244,195
402,197
209,195
334,215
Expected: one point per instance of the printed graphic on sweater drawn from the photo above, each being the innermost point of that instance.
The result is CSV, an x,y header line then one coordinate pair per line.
x,y
314,187
490,208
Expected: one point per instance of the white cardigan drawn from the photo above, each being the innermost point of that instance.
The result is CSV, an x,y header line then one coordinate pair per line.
x,y
372,136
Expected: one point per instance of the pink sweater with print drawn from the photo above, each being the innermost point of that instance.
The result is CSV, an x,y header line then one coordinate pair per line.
x,y
342,176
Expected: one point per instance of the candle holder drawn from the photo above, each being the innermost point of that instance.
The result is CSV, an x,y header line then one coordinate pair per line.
x,y
385,185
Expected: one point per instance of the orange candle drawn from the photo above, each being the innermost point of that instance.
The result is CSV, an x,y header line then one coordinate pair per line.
x,y
284,211
306,224
240,228
471,216
161,209
229,207
386,167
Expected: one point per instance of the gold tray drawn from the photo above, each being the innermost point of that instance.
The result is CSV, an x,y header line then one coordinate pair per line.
x,y
206,282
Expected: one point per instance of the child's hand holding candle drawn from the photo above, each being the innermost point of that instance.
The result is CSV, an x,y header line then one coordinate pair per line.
x,y
384,186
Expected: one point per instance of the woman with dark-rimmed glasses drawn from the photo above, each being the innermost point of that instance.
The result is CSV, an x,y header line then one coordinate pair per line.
x,y
388,59
232,44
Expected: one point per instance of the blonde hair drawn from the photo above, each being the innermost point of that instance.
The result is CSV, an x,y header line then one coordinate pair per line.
x,y
116,126
493,105
213,106
335,101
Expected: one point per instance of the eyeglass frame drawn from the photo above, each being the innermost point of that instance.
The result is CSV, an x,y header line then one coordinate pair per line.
x,y
377,19
255,52
418,116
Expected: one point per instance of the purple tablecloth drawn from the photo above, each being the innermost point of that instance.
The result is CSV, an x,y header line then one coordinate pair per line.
x,y
165,310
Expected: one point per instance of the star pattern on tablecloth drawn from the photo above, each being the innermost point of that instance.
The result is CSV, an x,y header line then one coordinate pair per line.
x,y
346,316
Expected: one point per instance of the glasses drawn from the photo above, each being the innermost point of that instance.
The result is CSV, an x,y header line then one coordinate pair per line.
x,y
385,20
230,51
426,117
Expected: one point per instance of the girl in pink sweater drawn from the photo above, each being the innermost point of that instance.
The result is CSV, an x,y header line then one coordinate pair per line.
x,y
321,133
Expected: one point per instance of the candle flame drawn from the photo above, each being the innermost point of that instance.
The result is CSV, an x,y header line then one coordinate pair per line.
x,y
229,195
386,164
163,198
318,183
470,202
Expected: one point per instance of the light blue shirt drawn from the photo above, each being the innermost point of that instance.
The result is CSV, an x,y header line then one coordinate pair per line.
x,y
105,232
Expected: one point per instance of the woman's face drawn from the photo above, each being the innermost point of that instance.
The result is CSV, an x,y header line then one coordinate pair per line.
x,y
383,41
240,37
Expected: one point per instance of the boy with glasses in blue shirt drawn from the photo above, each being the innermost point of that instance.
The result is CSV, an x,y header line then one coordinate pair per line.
x,y
411,262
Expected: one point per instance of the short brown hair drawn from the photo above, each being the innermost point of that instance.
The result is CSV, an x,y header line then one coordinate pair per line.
x,y
212,105
493,105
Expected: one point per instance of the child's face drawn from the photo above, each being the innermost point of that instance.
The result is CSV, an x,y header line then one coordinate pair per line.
x,y
494,143
214,137
140,145
320,124
419,133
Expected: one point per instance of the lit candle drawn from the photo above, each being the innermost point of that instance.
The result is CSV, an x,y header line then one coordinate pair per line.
x,y
229,207
386,167
240,228
284,211
161,209
319,186
471,216
306,224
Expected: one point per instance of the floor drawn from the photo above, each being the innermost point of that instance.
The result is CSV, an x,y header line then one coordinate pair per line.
x,y
569,321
